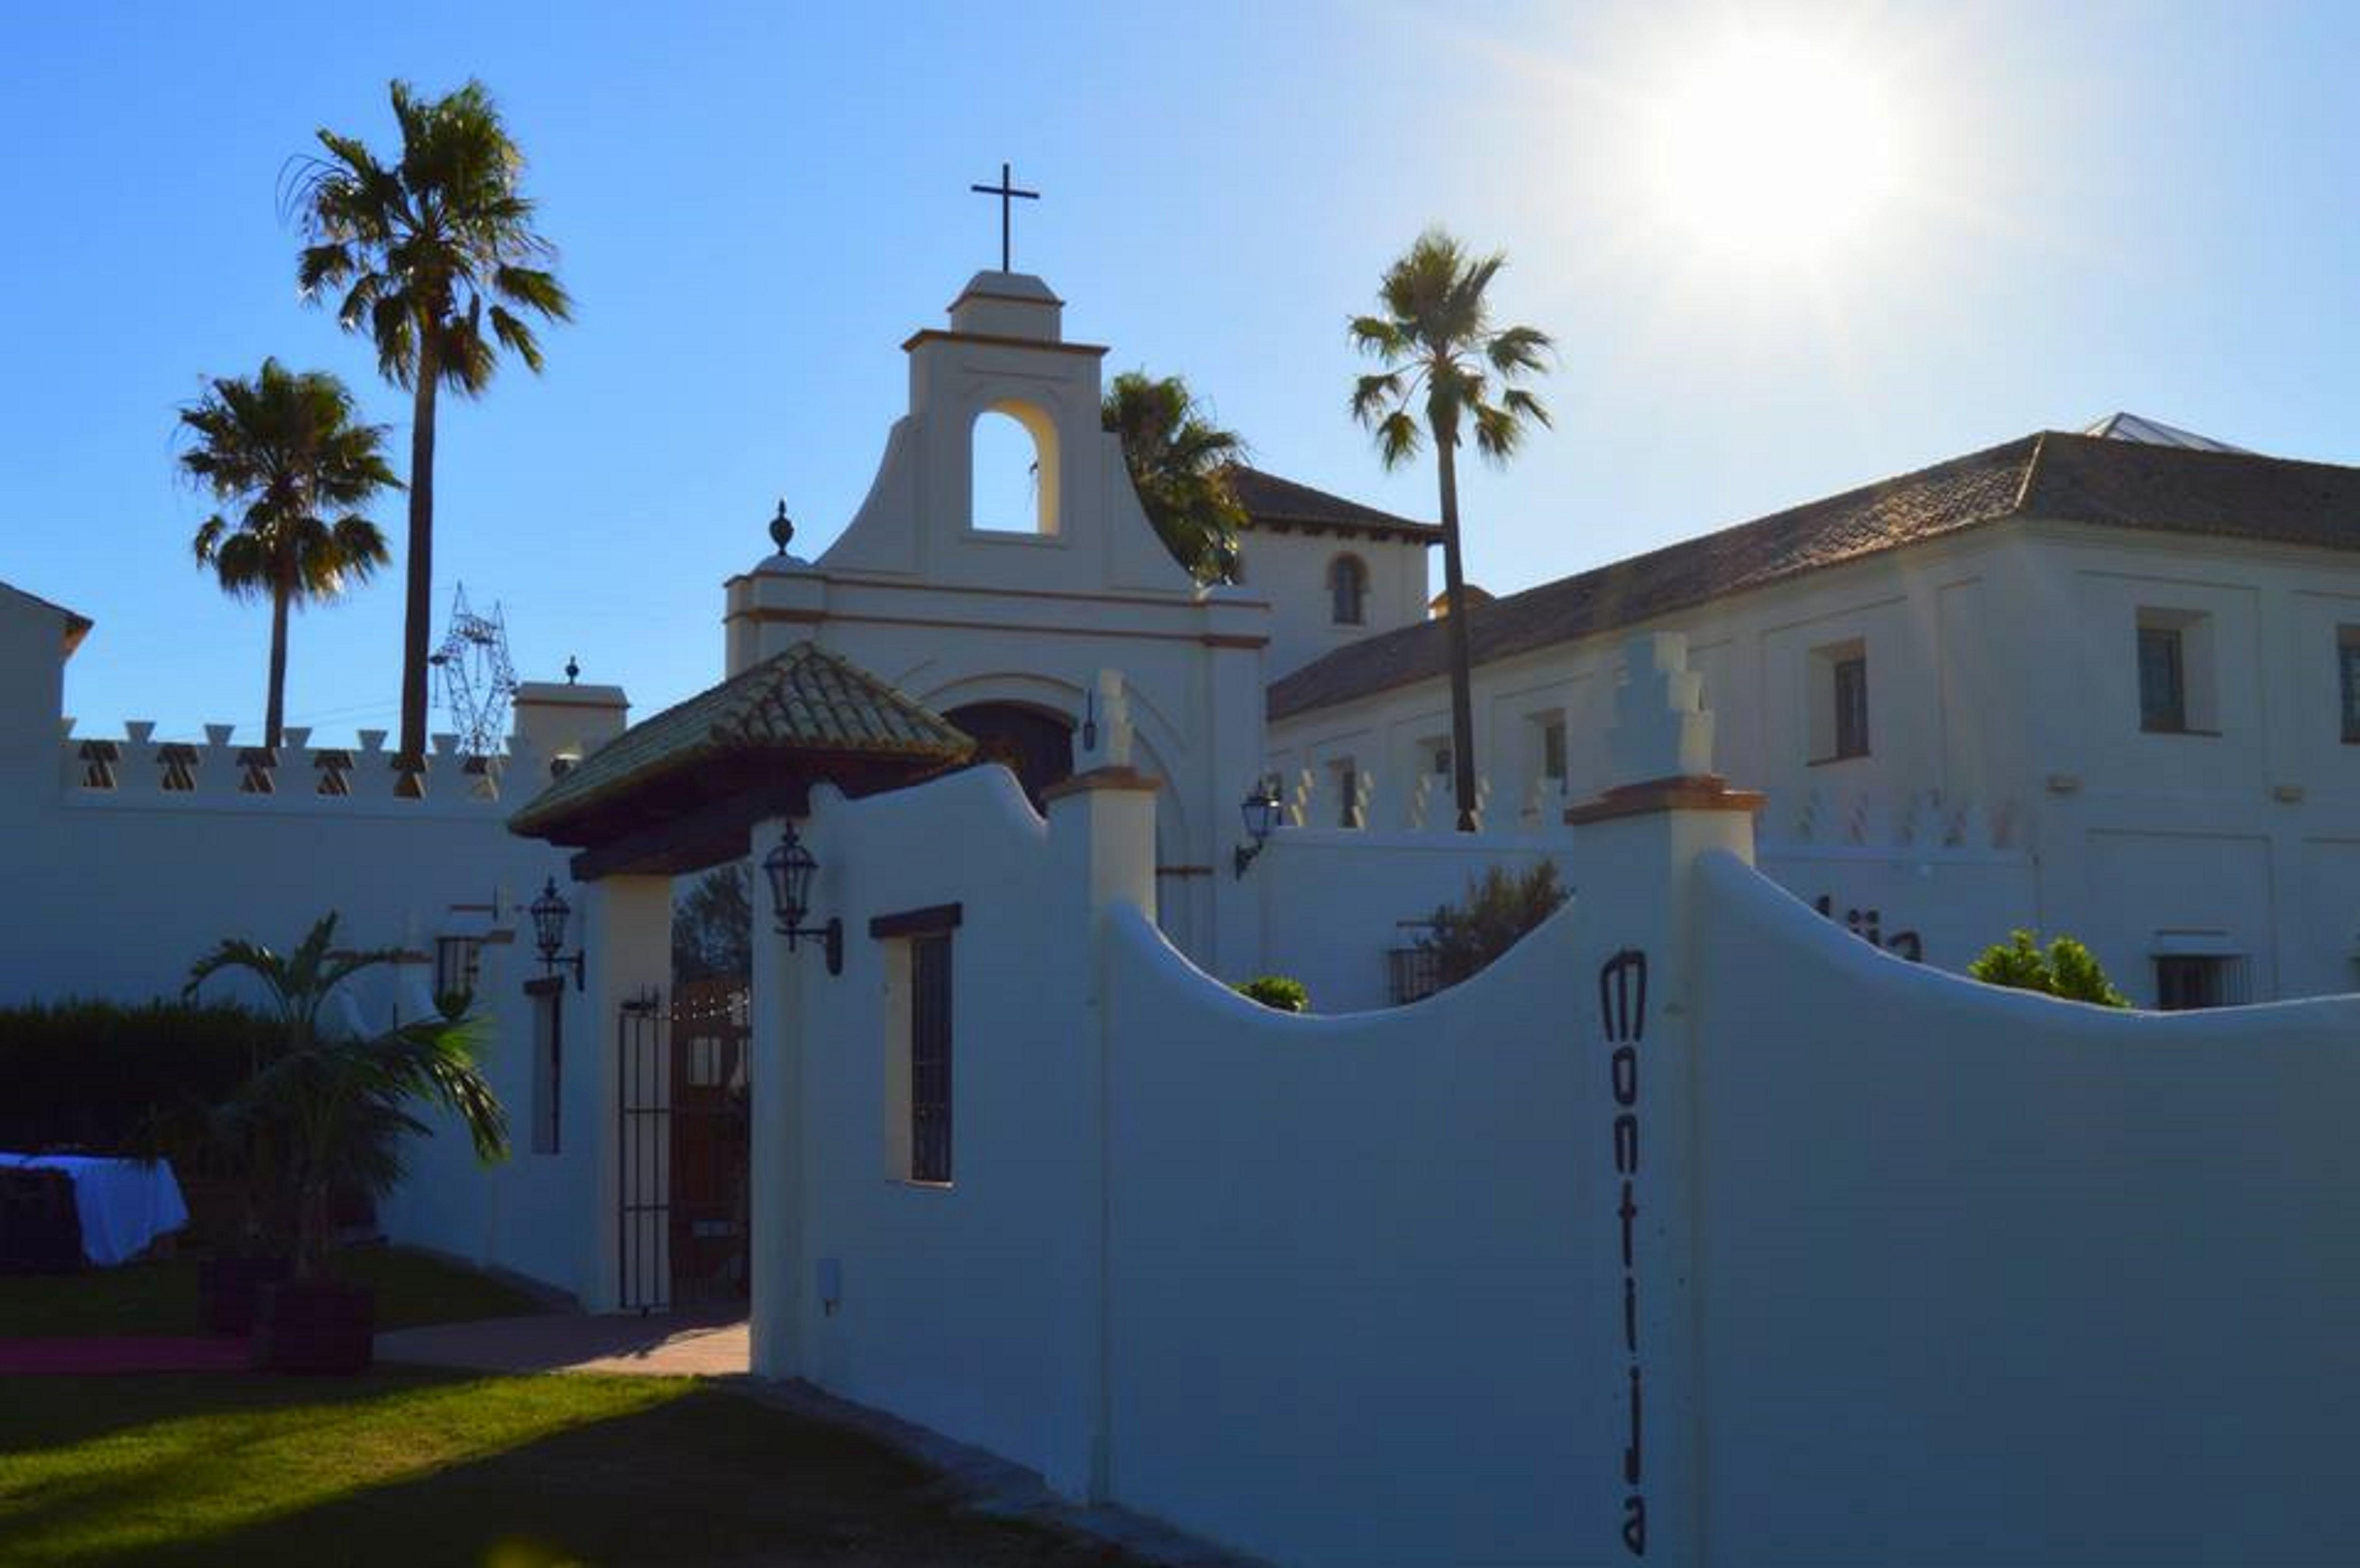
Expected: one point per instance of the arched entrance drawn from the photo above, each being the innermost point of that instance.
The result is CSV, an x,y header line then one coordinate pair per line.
x,y
1036,744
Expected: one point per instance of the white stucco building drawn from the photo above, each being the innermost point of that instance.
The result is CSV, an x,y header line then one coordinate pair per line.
x,y
2097,684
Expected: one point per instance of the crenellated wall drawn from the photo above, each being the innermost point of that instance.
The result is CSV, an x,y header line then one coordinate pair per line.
x,y
126,856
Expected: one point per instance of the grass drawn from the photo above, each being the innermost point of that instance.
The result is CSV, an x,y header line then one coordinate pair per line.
x,y
161,1298
407,1467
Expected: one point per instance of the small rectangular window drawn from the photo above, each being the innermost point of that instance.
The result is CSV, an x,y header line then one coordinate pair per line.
x,y
1852,706
1836,694
2186,982
458,965
1552,750
548,1061
2163,681
1346,773
2347,671
930,1057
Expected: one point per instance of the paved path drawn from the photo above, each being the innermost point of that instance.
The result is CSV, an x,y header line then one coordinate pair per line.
x,y
658,1346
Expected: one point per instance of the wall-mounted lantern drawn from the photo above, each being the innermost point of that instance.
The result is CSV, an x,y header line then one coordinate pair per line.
x,y
790,868
550,913
1260,809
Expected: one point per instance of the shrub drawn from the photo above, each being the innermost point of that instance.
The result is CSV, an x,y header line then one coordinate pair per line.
x,y
1278,993
1498,910
2068,969
94,1074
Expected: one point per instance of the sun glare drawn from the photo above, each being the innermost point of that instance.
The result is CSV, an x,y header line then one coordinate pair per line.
x,y
1774,149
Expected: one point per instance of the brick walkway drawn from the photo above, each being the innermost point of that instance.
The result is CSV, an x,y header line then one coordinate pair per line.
x,y
674,1345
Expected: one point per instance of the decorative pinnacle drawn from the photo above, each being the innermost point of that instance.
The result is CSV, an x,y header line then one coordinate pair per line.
x,y
573,669
782,531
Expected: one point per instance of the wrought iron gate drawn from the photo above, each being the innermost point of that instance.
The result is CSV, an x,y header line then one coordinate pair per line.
x,y
686,1166
643,1218
710,1144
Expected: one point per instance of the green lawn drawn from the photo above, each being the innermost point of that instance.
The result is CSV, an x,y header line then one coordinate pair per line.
x,y
407,1466
161,1297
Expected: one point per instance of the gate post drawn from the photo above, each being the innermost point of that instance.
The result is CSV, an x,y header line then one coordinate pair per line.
x,y
626,938
1634,854
774,1055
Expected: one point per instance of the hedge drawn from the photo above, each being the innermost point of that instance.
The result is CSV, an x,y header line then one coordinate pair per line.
x,y
89,1074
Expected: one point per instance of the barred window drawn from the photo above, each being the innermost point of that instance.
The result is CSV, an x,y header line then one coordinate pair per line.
x,y
930,1057
458,966
2347,667
2163,684
1851,706
1348,590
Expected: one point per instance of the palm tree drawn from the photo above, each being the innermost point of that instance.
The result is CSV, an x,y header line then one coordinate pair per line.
x,y
286,449
1179,463
325,1110
1441,356
436,255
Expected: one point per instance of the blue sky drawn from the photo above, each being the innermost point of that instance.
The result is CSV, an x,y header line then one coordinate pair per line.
x,y
2092,207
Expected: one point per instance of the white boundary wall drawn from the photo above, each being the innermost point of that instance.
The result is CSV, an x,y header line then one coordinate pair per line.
x,y
1916,1270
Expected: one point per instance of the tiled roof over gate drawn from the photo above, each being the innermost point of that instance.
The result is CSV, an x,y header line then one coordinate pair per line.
x,y
804,702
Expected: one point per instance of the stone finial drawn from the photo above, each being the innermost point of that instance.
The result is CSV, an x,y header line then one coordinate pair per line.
x,y
1661,728
782,531
1104,737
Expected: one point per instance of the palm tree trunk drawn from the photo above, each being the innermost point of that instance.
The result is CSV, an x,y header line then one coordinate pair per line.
x,y
1454,588
418,605
275,710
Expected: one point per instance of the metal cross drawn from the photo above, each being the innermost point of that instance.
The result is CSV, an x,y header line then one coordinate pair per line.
x,y
1007,192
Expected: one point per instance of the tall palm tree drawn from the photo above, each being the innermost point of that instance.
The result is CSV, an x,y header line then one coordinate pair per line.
x,y
1179,461
1444,360
437,256
286,450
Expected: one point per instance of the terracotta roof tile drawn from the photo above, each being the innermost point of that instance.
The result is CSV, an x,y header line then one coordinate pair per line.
x,y
1932,501
1281,504
2064,477
805,701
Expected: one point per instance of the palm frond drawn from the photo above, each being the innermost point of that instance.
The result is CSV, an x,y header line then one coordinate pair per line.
x,y
1371,394
1398,438
1517,349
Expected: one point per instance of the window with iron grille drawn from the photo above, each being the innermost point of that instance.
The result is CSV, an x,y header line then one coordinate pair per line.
x,y
1348,590
2186,982
1412,974
2347,669
2163,681
930,1057
458,965
1852,706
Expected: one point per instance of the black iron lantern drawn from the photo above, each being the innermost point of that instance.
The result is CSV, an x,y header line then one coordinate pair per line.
x,y
1259,810
550,913
790,868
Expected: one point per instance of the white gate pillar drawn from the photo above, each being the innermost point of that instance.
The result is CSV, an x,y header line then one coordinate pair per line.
x,y
1634,855
626,944
779,983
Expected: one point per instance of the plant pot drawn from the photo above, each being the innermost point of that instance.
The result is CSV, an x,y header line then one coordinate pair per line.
x,y
316,1326
229,1290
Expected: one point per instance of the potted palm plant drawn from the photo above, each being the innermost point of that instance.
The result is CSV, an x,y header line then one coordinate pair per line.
x,y
329,1111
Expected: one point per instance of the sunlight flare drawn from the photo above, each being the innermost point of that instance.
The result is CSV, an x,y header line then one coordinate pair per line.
x,y
1776,149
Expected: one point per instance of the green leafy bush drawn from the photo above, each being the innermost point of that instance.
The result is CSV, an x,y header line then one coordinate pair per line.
x,y
96,1074
1498,910
2068,969
1278,993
